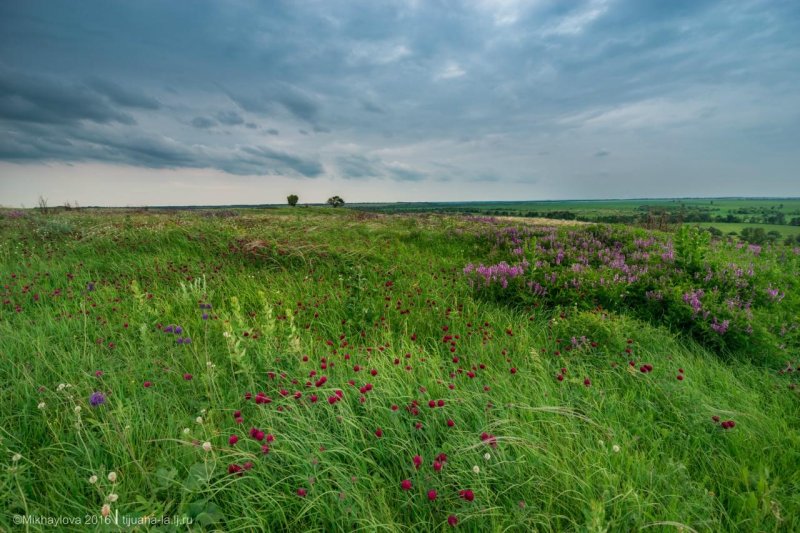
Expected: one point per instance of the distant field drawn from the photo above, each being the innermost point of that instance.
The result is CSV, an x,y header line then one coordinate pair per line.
x,y
716,206
726,214
725,227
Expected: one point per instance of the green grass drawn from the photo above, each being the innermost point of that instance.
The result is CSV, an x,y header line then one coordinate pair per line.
x,y
747,211
632,451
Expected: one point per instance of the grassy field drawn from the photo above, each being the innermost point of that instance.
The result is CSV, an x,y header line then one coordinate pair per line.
x,y
327,369
781,214
737,228
724,206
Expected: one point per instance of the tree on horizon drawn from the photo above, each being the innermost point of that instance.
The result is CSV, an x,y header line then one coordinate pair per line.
x,y
292,199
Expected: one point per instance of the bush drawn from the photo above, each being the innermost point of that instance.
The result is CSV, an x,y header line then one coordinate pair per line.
x,y
725,302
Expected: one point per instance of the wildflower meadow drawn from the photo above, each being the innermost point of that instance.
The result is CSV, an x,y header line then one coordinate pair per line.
x,y
325,369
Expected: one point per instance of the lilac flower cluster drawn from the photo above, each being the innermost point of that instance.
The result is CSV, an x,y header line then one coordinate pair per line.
x,y
693,299
720,327
499,273
775,294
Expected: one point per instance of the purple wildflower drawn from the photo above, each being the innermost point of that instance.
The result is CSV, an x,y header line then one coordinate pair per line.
x,y
720,327
96,399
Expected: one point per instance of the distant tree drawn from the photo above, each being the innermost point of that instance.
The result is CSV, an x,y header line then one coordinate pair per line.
x,y
335,201
754,235
292,199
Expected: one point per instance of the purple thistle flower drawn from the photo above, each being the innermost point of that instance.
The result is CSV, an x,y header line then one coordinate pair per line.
x,y
97,398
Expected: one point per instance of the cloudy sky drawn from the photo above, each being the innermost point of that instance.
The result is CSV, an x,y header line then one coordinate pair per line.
x,y
239,101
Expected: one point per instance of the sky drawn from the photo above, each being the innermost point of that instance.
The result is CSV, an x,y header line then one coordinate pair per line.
x,y
244,102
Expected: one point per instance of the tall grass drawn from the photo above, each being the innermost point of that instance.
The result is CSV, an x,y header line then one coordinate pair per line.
x,y
631,450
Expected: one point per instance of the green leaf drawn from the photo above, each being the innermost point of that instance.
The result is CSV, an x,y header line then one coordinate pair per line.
x,y
200,475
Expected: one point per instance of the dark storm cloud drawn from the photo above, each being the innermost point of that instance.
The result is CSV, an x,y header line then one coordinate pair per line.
x,y
307,167
39,99
203,122
230,118
358,167
394,90
296,102
122,96
81,144
354,166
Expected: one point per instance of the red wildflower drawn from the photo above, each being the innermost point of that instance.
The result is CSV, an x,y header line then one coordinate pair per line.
x,y
405,484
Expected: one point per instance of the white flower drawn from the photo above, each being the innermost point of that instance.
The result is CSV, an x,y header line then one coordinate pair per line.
x,y
601,443
112,497
615,448
199,419
42,405
77,409
226,334
16,457
93,480
207,446
476,469
61,386
186,431
112,477
487,456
